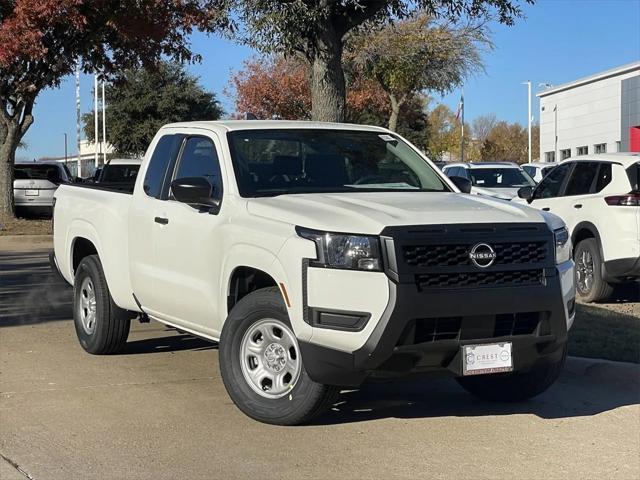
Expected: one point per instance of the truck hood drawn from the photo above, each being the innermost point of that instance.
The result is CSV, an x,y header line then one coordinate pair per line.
x,y
371,212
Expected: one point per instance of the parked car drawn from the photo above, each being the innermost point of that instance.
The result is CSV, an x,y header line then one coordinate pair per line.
x,y
34,185
599,199
492,179
119,170
537,170
318,255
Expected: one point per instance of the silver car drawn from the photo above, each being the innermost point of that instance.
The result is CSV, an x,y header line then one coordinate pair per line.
x,y
34,185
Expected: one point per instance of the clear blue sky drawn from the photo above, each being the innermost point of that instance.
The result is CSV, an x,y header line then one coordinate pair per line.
x,y
559,41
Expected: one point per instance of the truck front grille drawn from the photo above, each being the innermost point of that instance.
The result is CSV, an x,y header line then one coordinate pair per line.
x,y
479,279
439,256
515,253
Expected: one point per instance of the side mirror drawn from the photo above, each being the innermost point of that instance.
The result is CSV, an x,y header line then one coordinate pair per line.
x,y
526,193
194,191
463,184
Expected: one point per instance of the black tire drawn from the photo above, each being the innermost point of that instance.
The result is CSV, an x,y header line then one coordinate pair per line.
x,y
599,289
514,387
304,400
110,329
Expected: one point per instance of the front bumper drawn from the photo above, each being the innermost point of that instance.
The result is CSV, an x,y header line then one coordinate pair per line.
x,y
397,347
422,328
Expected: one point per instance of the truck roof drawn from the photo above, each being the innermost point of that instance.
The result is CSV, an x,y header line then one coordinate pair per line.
x,y
624,158
231,125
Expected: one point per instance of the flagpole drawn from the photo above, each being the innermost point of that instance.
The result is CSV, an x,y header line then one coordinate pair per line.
x,y
462,127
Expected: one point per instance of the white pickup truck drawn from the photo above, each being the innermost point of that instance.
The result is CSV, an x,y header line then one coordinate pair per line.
x,y
318,256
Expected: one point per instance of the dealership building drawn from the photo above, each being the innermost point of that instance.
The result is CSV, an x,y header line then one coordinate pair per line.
x,y
596,114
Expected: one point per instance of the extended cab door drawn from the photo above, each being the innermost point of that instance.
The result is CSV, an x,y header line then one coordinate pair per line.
x,y
188,251
547,195
147,196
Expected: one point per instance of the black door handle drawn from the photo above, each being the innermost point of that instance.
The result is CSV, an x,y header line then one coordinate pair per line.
x,y
161,221
577,205
546,209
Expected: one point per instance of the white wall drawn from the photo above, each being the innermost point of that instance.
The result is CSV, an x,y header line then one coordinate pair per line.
x,y
588,114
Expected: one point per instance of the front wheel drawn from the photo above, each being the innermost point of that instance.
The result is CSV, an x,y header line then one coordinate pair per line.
x,y
261,366
517,386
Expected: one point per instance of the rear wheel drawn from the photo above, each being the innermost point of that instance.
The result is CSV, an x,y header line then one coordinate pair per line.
x,y
101,326
261,366
517,386
590,285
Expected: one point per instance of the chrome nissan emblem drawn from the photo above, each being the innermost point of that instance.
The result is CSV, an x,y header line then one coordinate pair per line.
x,y
482,255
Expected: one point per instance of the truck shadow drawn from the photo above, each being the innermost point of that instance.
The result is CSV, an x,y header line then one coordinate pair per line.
x,y
573,395
29,293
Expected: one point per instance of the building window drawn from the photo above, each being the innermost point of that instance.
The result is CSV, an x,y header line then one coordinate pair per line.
x,y
600,148
582,150
618,146
549,156
564,154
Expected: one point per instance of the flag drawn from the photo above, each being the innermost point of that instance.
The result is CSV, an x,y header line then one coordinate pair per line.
x,y
460,107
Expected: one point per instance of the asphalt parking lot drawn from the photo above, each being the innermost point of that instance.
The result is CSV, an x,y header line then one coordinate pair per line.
x,y
159,411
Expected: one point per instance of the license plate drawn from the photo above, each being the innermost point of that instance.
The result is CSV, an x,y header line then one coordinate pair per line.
x,y
486,358
32,193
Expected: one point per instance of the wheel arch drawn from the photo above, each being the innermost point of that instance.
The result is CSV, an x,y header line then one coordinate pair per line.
x,y
584,230
245,279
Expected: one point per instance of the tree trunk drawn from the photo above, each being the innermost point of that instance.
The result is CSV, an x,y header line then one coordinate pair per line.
x,y
7,157
395,111
328,92
14,123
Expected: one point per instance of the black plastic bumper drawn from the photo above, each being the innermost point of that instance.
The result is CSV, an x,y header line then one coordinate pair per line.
x,y
387,354
622,268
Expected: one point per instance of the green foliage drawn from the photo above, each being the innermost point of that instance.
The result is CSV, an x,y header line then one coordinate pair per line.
x,y
418,54
298,25
147,99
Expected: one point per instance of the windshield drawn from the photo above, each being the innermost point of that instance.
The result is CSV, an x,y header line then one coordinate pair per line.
x,y
500,177
284,161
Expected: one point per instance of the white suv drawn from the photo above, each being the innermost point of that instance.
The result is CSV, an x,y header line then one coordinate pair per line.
x,y
599,199
491,179
537,170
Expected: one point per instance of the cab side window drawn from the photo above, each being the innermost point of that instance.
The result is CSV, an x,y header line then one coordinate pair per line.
x,y
165,151
550,185
582,178
200,159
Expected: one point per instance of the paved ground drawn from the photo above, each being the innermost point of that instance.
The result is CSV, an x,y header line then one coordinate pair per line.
x,y
160,411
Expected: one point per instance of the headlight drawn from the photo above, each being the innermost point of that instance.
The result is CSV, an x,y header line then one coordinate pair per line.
x,y
563,245
337,250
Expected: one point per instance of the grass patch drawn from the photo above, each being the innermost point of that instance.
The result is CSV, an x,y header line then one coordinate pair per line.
x,y
25,226
600,333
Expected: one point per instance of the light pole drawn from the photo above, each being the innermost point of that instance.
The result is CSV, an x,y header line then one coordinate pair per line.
x,y
104,127
79,165
528,84
95,120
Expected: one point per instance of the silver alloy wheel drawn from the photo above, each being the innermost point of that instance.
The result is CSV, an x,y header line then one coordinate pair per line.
x,y
87,306
270,358
585,271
